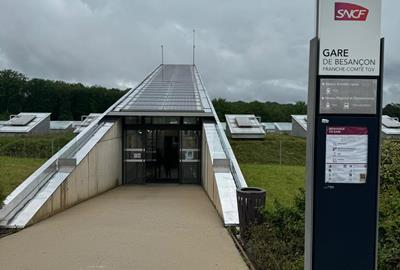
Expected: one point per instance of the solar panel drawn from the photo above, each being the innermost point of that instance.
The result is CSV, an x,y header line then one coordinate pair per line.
x,y
21,120
243,121
390,122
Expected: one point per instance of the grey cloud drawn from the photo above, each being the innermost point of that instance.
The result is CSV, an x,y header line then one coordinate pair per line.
x,y
245,49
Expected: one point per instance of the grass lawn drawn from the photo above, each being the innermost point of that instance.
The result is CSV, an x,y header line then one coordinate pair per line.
x,y
281,182
15,170
36,146
267,151
259,161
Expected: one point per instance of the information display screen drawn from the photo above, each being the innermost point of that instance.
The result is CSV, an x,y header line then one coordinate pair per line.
x,y
348,96
346,159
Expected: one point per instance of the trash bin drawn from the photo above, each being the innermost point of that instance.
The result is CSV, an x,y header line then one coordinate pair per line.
x,y
251,202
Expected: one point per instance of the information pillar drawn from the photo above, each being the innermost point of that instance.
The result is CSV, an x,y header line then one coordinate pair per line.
x,y
343,143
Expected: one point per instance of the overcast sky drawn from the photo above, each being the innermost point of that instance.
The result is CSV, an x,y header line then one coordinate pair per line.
x,y
246,50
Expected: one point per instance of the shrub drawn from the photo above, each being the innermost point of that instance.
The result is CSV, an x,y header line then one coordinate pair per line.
x,y
279,242
389,210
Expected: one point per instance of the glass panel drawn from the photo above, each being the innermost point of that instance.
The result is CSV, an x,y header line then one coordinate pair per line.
x,y
134,157
191,173
134,173
147,119
190,138
133,120
167,153
134,139
150,154
190,156
168,120
190,120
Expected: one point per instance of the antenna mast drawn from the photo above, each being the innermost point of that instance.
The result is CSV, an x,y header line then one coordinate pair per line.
x,y
194,45
162,54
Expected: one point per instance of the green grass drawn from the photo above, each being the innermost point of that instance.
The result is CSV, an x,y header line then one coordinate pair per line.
x,y
267,151
15,170
20,156
280,182
43,146
260,164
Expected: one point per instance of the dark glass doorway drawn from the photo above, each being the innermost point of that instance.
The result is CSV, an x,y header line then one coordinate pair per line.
x,y
162,150
162,156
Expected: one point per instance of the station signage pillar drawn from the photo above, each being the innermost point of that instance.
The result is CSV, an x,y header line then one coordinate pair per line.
x,y
343,143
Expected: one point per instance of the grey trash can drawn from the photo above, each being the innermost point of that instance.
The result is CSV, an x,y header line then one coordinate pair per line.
x,y
251,202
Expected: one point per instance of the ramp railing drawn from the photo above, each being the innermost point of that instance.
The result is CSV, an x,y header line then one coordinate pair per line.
x,y
233,164
29,188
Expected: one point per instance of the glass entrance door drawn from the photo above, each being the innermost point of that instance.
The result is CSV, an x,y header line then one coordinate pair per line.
x,y
162,156
162,150
190,156
134,157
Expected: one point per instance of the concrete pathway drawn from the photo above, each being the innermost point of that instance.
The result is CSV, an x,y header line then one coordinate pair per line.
x,y
130,227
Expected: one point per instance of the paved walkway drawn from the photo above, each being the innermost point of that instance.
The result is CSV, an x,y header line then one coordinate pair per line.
x,y
130,227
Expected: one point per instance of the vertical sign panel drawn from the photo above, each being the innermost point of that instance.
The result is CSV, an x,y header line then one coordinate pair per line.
x,y
343,140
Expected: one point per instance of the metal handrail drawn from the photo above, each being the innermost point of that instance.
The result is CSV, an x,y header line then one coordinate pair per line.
x,y
27,189
233,164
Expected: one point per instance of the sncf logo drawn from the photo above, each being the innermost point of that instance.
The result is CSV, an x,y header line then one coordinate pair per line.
x,y
350,12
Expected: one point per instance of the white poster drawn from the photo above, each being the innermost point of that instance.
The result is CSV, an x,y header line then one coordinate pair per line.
x,y
346,158
349,33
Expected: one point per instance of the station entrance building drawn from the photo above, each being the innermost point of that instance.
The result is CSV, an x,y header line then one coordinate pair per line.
x,y
163,131
162,123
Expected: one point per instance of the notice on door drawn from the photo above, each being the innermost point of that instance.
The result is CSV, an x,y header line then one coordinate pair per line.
x,y
346,158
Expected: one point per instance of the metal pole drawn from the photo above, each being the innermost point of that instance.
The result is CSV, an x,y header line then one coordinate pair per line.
x,y
194,45
162,54
162,61
280,153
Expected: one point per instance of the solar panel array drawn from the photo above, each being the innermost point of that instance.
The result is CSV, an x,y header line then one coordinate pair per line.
x,y
173,88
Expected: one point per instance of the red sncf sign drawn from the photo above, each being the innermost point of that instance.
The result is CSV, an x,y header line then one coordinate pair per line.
x,y
350,12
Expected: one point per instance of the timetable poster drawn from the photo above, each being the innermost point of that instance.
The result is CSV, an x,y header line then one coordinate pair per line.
x,y
346,159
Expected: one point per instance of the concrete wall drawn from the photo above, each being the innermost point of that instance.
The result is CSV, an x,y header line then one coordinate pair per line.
x,y
42,128
298,130
98,172
208,176
217,178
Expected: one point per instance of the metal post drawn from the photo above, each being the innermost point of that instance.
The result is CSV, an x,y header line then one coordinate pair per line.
x,y
194,45
162,54
280,153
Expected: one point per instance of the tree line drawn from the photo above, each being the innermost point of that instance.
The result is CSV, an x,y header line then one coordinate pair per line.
x,y
65,101
268,111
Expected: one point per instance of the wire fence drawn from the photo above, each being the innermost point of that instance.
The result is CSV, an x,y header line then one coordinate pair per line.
x,y
32,147
278,151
